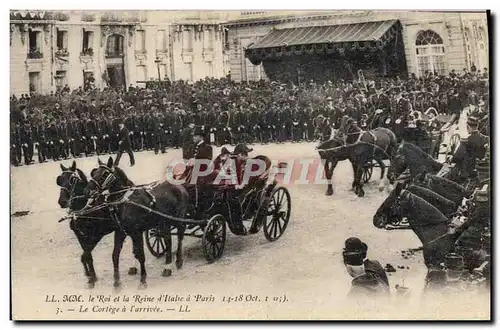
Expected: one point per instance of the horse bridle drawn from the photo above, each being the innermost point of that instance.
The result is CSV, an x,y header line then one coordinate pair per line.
x,y
73,180
110,178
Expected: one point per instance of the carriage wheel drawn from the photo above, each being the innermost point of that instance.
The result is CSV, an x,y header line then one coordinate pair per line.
x,y
367,172
156,242
214,238
278,214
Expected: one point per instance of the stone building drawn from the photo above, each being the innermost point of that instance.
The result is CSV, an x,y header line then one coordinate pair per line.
x,y
55,48
339,44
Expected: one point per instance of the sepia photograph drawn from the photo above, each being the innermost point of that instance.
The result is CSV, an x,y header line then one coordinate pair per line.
x,y
250,165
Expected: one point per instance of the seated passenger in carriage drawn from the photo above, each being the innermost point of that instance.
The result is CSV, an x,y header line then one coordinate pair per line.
x,y
415,132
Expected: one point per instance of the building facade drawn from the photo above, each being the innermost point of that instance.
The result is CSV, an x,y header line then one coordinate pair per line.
x,y
117,48
432,41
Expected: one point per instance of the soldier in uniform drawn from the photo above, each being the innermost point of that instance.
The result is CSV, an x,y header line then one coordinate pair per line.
x,y
124,145
53,140
27,142
369,278
41,142
470,150
130,123
15,140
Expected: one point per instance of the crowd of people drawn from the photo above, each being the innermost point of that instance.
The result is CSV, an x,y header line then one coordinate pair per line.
x,y
86,121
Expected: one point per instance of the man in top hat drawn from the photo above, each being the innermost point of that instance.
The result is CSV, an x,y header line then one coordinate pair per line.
x,y
369,278
124,144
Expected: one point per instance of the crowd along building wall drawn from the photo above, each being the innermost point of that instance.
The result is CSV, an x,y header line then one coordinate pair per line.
x,y
459,39
50,49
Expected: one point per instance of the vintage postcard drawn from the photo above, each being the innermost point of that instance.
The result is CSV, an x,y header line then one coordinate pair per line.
x,y
250,165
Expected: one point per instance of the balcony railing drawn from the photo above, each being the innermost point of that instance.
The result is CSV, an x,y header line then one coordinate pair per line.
x,y
87,52
114,55
63,52
35,54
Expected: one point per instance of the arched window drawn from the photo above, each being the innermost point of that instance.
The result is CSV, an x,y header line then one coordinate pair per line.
x,y
430,53
114,46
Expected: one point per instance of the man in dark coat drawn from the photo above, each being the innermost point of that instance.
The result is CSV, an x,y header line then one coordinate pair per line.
x,y
369,278
474,148
124,145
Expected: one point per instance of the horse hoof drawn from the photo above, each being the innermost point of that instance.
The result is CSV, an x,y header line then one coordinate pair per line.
x,y
132,271
143,286
90,285
166,273
361,193
329,192
179,263
117,284
381,189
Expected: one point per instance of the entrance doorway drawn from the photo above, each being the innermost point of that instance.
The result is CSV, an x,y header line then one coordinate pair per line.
x,y
116,76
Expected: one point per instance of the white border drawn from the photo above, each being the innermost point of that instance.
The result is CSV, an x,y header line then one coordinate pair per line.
x,y
193,5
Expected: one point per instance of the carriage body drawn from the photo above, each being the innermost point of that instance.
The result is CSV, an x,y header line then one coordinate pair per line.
x,y
264,204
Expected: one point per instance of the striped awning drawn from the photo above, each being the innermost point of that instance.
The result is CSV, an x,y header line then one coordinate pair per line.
x,y
331,39
369,31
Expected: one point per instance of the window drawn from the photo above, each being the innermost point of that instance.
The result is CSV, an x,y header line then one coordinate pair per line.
x,y
34,82
61,79
163,71
189,70
226,40
162,41
210,69
430,53
35,44
142,74
187,38
211,39
88,43
62,39
114,46
140,41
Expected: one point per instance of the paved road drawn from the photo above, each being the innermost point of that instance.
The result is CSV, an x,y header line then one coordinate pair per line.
x,y
305,263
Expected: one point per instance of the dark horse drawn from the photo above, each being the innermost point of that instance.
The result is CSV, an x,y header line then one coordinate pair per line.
x,y
134,207
428,223
90,227
409,156
363,147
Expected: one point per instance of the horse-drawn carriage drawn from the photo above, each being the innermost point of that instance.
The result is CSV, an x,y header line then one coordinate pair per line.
x,y
263,203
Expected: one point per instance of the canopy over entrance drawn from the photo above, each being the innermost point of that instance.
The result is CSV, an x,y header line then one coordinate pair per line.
x,y
331,52
323,39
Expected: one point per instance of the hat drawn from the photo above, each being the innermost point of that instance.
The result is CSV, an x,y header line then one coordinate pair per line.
x,y
354,252
472,121
241,148
354,244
